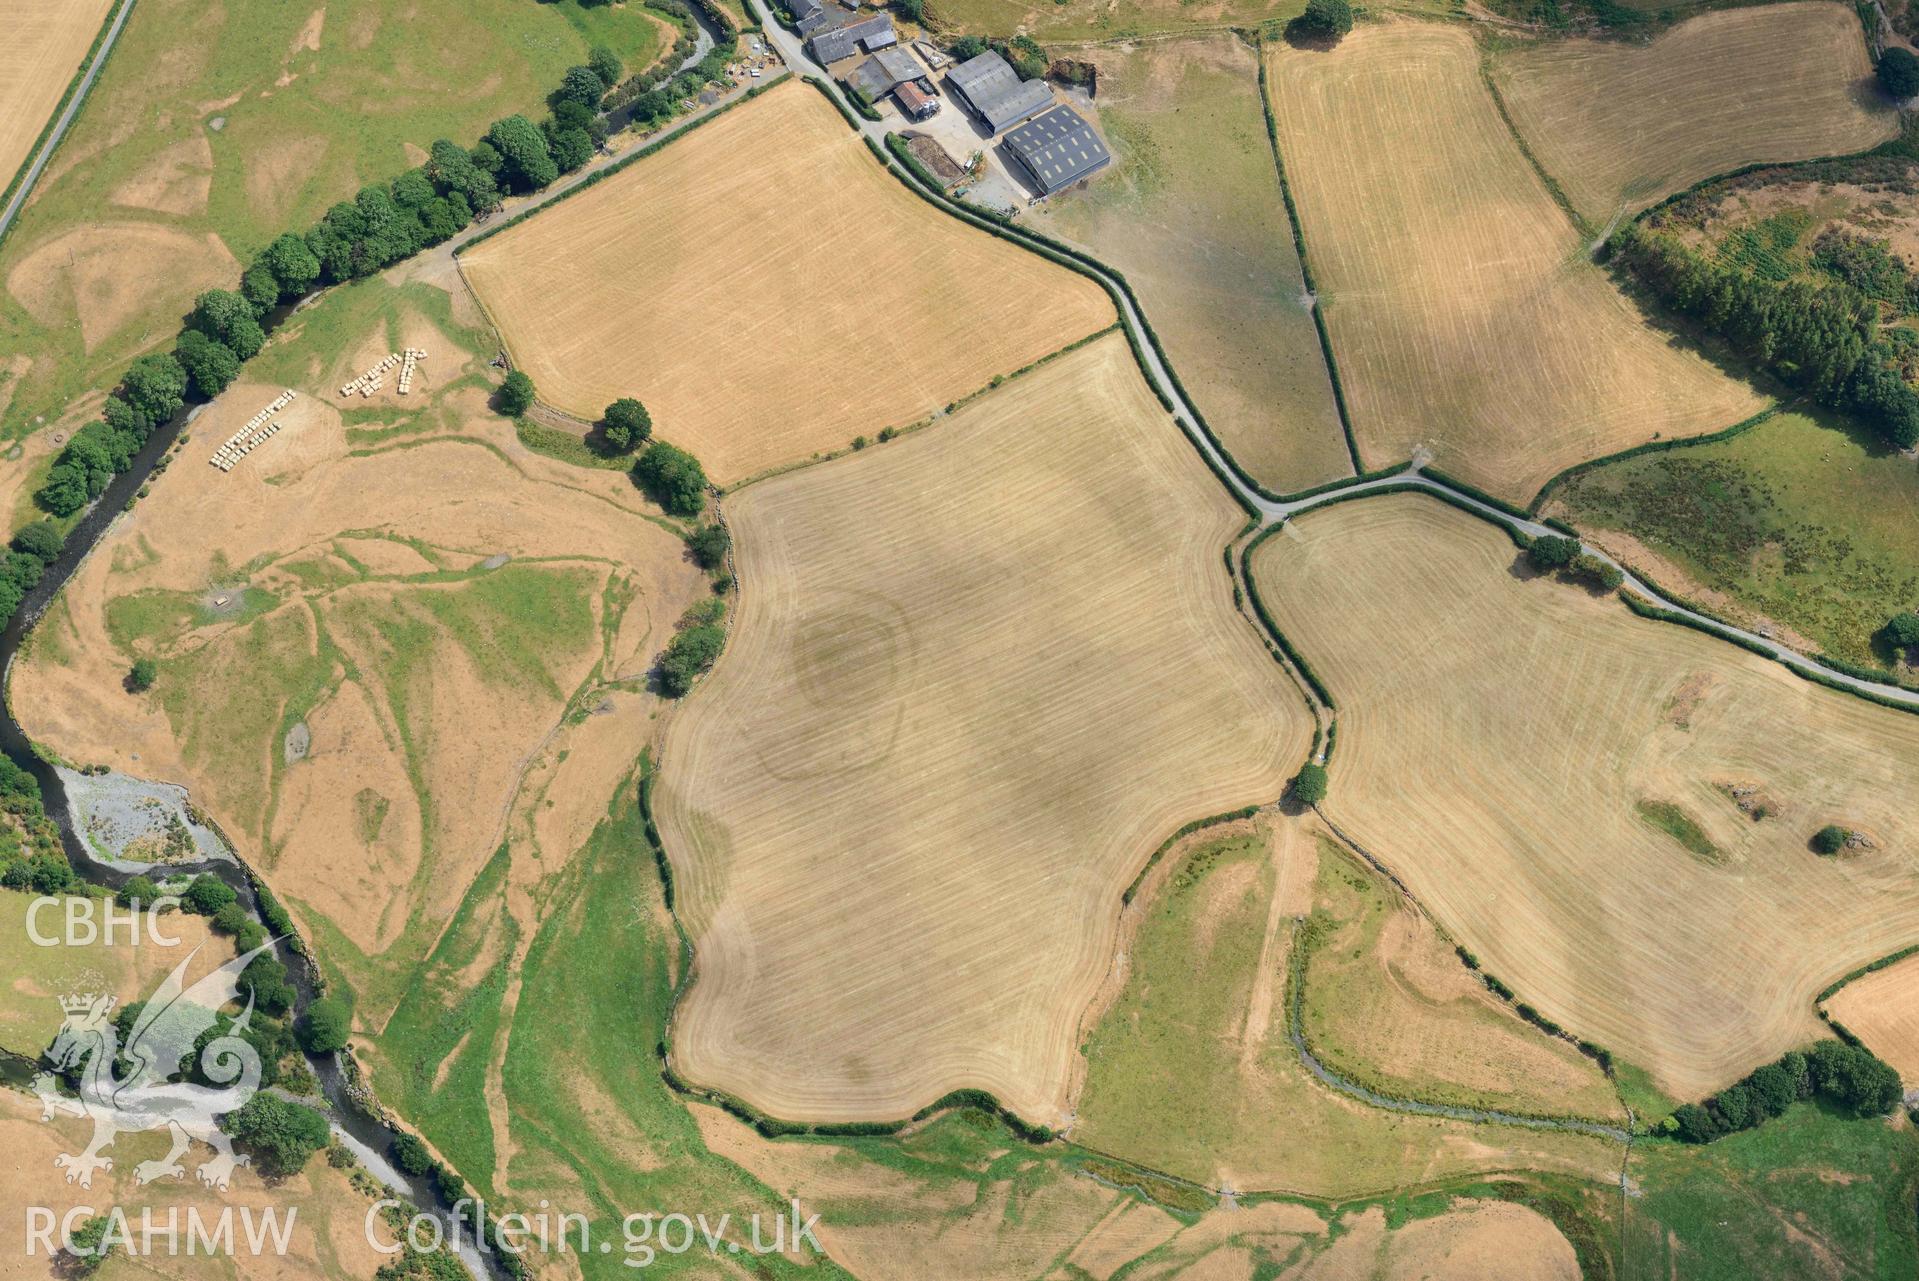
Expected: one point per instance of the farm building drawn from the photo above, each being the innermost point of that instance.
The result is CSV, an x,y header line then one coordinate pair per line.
x,y
807,15
993,91
915,103
1057,149
830,44
885,71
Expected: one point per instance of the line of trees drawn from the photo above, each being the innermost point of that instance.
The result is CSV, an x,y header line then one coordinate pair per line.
x,y
382,224
1821,336
1849,1077
650,96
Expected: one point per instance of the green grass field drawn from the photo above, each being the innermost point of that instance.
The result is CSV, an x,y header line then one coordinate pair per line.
x,y
1809,1195
1176,1082
1804,521
298,129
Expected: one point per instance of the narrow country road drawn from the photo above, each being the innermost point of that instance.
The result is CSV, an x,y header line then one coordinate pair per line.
x,y
67,114
1272,511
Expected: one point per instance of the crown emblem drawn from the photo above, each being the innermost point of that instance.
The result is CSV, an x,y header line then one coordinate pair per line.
x,y
81,1002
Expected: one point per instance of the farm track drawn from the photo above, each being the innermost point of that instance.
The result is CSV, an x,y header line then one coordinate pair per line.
x,y
1270,511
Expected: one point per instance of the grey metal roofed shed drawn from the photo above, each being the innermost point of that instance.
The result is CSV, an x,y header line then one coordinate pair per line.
x,y
1058,149
990,87
843,42
885,70
802,10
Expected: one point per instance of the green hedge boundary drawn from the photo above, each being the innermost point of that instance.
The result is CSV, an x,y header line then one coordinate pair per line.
x,y
1359,478
1297,659
1739,428
1185,830
1306,269
53,117
1647,609
601,175
1870,967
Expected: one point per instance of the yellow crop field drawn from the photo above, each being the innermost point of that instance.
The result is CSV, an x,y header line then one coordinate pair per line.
x,y
977,675
770,292
1571,789
1882,1009
1620,125
1464,317
44,46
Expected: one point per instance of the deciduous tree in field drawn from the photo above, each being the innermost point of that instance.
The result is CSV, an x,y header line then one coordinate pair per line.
x,y
526,163
1899,73
516,394
211,365
1830,839
626,425
1309,785
325,1026
144,672
709,545
281,1134
1324,19
1552,552
673,478
1902,631
605,64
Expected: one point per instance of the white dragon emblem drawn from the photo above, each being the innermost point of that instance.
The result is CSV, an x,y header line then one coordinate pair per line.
x,y
159,1046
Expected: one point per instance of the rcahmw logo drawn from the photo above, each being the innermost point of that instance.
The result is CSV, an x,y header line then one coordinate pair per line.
x,y
168,1232
83,922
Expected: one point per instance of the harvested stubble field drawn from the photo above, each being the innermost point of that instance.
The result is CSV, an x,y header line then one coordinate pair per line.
x,y
1882,1009
950,725
1620,125
1461,308
214,128
1191,1068
1193,215
1063,20
44,47
770,291
1498,737
348,579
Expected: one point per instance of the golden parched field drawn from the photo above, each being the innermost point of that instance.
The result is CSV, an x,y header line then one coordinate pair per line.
x,y
45,42
1620,125
1882,1009
1498,738
770,292
1464,316
364,634
977,675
